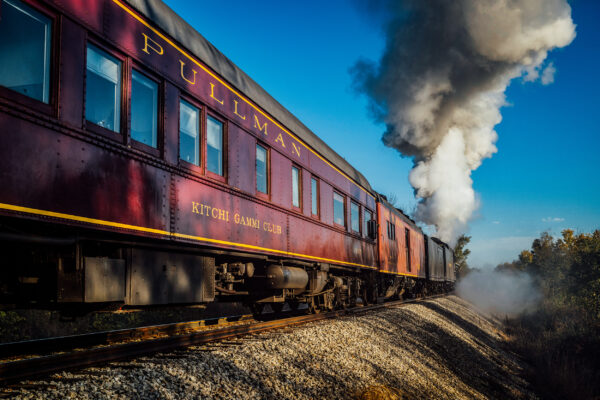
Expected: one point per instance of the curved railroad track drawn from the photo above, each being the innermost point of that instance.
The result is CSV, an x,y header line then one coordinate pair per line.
x,y
142,341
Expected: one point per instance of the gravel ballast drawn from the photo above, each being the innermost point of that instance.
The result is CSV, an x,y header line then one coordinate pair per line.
x,y
435,349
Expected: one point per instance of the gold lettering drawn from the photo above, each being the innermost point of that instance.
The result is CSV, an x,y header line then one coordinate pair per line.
x,y
279,229
223,215
280,140
193,81
296,149
212,93
259,126
235,111
158,49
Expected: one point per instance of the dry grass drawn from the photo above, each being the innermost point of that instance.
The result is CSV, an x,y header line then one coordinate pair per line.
x,y
562,348
380,392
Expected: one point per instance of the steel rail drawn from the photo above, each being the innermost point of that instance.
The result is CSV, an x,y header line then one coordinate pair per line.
x,y
54,344
14,371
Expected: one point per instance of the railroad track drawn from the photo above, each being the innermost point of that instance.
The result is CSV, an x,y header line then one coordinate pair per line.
x,y
143,341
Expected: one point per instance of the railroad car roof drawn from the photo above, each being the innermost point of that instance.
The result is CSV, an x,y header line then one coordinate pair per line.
x,y
176,27
441,243
409,221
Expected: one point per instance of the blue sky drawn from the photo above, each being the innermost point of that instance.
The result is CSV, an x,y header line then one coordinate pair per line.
x,y
546,174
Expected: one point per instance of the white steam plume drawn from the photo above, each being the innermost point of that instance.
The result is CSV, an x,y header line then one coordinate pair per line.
x,y
440,84
502,293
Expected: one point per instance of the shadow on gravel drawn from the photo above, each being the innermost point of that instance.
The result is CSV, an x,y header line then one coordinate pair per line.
x,y
436,351
462,323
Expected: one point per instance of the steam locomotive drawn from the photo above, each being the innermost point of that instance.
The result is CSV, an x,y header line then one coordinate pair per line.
x,y
139,166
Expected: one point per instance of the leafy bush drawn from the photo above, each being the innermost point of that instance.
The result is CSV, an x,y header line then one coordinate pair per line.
x,y
10,325
562,339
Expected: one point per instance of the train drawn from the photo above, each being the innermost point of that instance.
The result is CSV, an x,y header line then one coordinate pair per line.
x,y
141,167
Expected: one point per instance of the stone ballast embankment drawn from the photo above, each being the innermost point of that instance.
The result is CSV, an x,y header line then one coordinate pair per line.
x,y
435,349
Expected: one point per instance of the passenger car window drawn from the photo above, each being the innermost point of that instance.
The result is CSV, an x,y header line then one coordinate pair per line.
x,y
144,109
391,230
355,217
189,133
368,217
103,89
339,216
25,50
296,190
262,184
214,145
314,187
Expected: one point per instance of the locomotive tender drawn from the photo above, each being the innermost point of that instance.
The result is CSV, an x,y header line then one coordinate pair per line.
x,y
140,166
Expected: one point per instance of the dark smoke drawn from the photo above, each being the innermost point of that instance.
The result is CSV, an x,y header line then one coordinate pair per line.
x,y
440,84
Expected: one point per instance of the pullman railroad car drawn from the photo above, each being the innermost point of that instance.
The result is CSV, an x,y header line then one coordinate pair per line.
x,y
140,166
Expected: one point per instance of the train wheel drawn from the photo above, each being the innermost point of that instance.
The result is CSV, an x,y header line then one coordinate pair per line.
x,y
365,296
277,307
257,308
313,308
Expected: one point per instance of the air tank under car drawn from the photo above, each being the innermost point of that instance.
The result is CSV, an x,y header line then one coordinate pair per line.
x,y
282,277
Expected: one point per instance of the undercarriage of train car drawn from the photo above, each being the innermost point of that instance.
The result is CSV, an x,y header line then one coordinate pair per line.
x,y
397,287
47,265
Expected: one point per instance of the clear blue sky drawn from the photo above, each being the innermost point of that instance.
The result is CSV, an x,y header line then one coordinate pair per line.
x,y
546,174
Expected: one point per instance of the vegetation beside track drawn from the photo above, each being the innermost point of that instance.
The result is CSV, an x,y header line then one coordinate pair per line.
x,y
561,339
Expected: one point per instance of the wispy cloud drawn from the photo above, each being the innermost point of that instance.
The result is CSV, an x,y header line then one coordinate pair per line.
x,y
496,222
548,74
553,219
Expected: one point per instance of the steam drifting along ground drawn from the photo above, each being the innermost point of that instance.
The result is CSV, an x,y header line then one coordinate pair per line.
x,y
504,293
436,349
440,84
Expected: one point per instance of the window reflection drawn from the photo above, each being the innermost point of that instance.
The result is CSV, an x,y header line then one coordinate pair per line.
x,y
214,146
144,108
295,187
25,50
314,196
368,217
261,169
103,89
355,217
189,143
338,209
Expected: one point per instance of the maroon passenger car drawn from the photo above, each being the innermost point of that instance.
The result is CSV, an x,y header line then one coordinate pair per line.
x,y
139,165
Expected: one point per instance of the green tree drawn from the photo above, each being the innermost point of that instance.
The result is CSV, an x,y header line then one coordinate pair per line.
x,y
522,264
460,255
